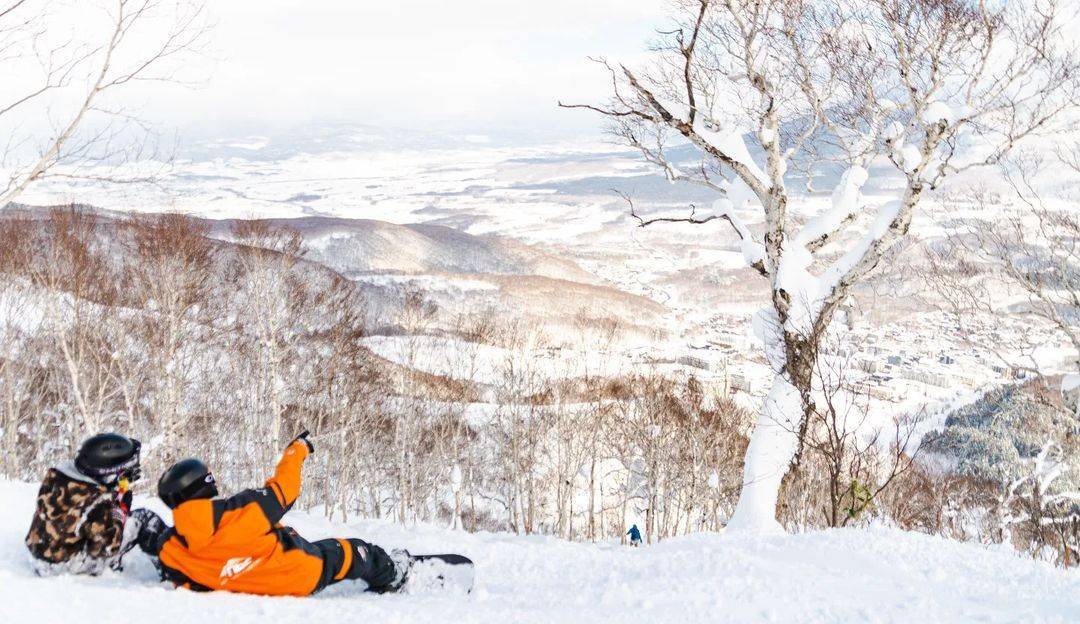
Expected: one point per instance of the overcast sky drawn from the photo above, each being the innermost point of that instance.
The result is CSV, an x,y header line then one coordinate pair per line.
x,y
466,64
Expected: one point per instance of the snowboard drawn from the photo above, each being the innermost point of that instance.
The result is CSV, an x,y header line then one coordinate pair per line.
x,y
447,572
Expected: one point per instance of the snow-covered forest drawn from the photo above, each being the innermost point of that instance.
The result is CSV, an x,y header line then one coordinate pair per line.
x,y
805,297
224,348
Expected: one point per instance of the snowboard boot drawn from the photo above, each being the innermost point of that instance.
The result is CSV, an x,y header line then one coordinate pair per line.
x,y
402,564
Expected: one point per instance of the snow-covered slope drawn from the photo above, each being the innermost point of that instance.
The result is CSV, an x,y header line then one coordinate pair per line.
x,y
878,575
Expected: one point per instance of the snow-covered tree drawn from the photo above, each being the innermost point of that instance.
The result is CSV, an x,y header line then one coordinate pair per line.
x,y
931,87
1047,516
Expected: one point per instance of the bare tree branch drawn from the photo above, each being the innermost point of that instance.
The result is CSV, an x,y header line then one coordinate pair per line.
x,y
110,65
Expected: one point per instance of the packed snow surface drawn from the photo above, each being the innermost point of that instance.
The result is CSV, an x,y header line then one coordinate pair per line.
x,y
875,575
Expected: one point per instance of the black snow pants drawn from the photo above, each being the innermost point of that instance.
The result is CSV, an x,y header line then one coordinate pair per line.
x,y
352,559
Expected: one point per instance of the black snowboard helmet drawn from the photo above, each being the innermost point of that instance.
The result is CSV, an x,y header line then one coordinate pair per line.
x,y
186,480
109,457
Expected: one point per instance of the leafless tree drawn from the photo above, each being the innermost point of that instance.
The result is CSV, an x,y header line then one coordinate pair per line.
x,y
65,68
519,428
932,86
458,448
17,379
274,298
412,435
72,265
1025,251
341,401
172,257
859,454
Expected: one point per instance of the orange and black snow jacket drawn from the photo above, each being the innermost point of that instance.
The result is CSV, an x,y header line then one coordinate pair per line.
x,y
238,544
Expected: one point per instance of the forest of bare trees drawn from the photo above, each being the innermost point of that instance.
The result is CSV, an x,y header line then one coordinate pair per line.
x,y
222,348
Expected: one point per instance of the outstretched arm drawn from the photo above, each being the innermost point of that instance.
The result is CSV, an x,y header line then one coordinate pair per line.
x,y
280,492
285,484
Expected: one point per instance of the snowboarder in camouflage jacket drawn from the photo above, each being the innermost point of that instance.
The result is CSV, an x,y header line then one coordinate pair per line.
x,y
83,523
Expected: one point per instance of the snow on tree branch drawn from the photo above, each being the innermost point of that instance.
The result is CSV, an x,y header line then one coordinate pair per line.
x,y
932,87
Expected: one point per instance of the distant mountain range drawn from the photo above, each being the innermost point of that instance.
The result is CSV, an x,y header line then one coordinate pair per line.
x,y
356,246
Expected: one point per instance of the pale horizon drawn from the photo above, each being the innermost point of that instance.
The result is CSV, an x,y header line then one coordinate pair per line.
x,y
469,67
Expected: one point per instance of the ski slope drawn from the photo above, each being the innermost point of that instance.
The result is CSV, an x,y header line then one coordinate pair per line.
x,y
877,575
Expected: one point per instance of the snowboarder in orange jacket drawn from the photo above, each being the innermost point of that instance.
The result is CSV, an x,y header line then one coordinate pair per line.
x,y
238,544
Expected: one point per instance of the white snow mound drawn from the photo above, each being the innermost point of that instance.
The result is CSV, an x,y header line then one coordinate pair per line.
x,y
879,575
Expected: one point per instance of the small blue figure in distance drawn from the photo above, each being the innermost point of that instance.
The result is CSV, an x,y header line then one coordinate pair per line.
x,y
635,536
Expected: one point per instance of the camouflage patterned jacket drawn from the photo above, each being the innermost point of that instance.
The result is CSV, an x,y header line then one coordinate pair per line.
x,y
78,526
